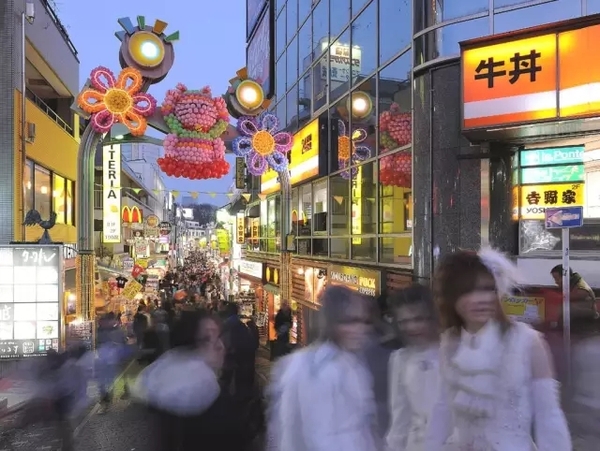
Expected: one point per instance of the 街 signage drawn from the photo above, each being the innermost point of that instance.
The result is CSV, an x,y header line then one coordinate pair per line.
x,y
530,79
30,294
365,281
111,194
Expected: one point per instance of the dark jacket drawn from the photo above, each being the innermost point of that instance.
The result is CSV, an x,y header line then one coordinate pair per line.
x,y
283,325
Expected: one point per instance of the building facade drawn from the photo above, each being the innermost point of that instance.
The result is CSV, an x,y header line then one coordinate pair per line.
x,y
385,178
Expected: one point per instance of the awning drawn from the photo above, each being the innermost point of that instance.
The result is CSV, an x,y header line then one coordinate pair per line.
x,y
272,288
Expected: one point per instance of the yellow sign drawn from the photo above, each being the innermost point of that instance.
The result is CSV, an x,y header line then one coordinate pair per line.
x,y
111,194
255,228
304,159
132,288
356,219
241,228
527,309
143,262
152,221
534,199
223,240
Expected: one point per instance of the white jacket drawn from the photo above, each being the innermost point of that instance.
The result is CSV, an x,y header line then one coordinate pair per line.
x,y
321,400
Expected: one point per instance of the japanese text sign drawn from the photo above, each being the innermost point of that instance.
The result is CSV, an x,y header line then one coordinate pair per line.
x,y
240,222
525,309
534,199
531,79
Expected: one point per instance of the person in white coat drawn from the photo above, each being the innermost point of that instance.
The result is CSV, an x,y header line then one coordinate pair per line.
x,y
497,389
413,370
321,397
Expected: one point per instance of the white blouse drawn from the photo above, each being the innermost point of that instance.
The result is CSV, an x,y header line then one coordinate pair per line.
x,y
413,383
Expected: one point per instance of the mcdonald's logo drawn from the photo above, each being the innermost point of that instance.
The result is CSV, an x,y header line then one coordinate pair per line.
x,y
131,215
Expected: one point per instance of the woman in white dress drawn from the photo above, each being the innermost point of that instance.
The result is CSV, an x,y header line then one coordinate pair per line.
x,y
413,370
497,386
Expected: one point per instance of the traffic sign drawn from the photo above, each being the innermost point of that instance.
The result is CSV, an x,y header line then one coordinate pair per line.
x,y
564,217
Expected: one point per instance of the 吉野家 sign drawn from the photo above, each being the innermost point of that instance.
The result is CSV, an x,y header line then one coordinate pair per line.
x,y
531,79
30,300
304,159
534,199
240,222
111,194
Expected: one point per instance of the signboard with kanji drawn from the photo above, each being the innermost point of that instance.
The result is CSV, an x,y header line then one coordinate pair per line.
x,y
530,78
534,199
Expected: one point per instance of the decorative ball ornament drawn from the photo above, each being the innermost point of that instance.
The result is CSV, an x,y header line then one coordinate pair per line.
x,y
262,144
395,129
349,153
110,100
194,148
396,170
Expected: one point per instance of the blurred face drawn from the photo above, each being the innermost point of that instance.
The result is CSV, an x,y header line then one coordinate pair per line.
x,y
479,306
212,346
557,279
352,332
414,324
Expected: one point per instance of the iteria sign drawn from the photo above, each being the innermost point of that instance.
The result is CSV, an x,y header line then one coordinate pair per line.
x,y
111,194
531,77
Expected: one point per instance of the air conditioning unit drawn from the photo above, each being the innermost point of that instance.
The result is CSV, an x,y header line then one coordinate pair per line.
x,y
30,132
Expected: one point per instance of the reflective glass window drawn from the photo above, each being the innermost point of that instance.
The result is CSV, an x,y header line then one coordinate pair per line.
x,y
305,211
294,209
59,198
319,83
358,4
42,196
503,3
28,187
339,201
281,34
593,7
281,110
339,247
364,43
304,8
320,199
281,76
304,98
70,202
363,124
305,51
432,12
292,62
363,188
292,108
279,4
320,21
340,16
536,15
339,157
395,200
339,66
395,28
292,18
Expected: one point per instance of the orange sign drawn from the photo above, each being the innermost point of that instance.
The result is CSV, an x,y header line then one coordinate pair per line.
x,y
131,215
531,79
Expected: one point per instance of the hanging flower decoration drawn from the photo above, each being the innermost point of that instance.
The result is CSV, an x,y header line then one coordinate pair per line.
x,y
262,144
194,148
349,153
395,131
112,100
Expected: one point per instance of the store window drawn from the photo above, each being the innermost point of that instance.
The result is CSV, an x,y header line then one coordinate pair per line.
x,y
395,28
363,188
364,43
320,207
295,210
28,187
42,196
305,211
59,198
339,200
264,219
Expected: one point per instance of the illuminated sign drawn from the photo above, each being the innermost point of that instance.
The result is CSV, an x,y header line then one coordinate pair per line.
x,y
30,293
534,199
240,173
553,174
531,79
356,218
252,269
255,228
365,281
111,194
240,228
343,63
304,159
271,275
131,215
556,155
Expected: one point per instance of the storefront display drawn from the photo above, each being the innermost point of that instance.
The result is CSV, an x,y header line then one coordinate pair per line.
x,y
308,282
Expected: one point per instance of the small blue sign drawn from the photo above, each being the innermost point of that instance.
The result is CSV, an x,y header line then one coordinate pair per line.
x,y
564,218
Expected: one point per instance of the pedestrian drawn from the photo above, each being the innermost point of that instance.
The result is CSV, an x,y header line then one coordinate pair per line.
x,y
283,327
497,388
111,345
140,325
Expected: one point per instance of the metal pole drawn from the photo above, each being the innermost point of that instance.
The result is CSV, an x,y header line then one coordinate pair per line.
x,y
286,222
566,292
23,120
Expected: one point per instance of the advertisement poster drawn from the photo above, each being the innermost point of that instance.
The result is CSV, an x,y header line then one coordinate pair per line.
x,y
30,294
258,57
526,309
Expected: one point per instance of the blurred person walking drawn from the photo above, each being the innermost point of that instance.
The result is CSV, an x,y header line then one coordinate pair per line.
x,y
112,343
283,327
497,389
321,397
140,325
413,370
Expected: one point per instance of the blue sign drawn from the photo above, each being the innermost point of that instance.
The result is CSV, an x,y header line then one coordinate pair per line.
x,y
564,218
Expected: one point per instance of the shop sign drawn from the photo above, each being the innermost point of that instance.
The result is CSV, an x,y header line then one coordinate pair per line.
x,y
223,240
557,155
142,262
240,228
165,228
344,62
553,174
30,296
111,194
304,159
524,308
530,79
131,215
132,288
128,264
365,281
252,269
271,275
240,173
152,221
534,199
255,229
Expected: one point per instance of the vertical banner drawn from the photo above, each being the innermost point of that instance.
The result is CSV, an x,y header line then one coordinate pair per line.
x,y
240,173
240,228
111,194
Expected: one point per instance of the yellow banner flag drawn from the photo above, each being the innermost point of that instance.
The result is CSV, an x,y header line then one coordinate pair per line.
x,y
175,193
194,194
246,196
262,196
136,190
212,195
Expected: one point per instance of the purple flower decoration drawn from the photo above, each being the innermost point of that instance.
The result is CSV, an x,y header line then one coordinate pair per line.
x,y
349,153
262,144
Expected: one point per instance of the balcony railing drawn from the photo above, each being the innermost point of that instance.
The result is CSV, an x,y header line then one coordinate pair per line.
x,y
61,28
49,111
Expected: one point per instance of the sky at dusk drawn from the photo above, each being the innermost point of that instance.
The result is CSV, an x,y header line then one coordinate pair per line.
x,y
210,51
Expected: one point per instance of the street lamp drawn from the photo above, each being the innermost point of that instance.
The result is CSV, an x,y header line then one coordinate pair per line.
x,y
360,105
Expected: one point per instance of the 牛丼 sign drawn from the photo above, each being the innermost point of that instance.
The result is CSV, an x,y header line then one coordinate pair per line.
x,y
111,194
531,78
